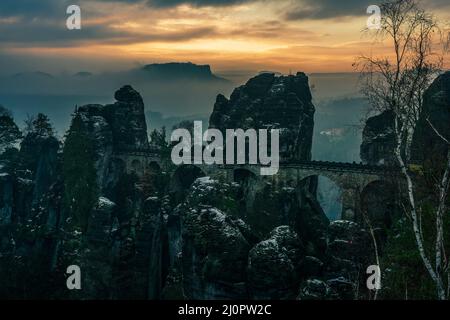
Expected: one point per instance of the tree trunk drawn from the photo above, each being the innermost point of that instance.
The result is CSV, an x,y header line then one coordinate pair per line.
x,y
417,234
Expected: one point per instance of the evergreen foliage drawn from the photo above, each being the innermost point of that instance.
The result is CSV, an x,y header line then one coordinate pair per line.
x,y
42,126
79,174
158,139
9,132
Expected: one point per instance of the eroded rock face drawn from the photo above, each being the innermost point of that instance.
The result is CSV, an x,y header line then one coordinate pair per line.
x,y
378,135
101,133
30,215
123,232
349,251
273,266
6,198
96,254
339,275
273,206
152,256
378,143
36,185
269,101
215,245
46,164
115,128
314,289
222,257
214,256
278,102
436,107
127,120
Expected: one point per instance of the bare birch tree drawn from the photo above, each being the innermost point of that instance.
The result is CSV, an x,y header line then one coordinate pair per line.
x,y
396,83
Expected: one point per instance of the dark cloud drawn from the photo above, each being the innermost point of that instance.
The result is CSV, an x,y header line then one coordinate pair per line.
x,y
174,3
43,23
301,9
33,8
325,9
198,3
29,33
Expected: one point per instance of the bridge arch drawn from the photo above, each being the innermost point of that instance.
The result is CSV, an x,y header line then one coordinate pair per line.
x,y
137,166
153,167
332,176
327,192
352,179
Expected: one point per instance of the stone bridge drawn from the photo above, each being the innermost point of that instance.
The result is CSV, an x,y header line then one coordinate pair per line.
x,y
353,179
139,161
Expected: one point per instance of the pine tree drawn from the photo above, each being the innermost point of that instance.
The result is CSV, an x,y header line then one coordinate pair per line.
x,y
158,139
42,126
9,132
5,111
79,174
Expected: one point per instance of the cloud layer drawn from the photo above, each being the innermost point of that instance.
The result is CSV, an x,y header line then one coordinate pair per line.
x,y
315,35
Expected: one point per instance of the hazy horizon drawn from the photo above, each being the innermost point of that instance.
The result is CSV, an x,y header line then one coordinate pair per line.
x,y
57,94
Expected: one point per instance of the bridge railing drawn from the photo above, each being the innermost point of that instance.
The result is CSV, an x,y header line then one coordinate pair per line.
x,y
153,152
329,166
338,165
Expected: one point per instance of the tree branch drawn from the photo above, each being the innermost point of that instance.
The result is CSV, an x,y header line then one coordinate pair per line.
x,y
437,132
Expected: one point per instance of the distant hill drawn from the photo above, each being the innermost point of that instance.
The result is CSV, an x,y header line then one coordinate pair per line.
x,y
83,74
35,74
176,90
180,70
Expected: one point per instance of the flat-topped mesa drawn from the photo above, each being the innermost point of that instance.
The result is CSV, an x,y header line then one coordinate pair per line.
x,y
268,101
180,70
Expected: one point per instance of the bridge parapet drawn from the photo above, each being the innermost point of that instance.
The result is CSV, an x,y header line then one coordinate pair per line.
x,y
339,166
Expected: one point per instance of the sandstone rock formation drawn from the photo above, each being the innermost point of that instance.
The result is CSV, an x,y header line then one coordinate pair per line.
x,y
378,140
436,105
215,244
349,251
30,213
338,275
274,265
269,101
115,128
275,102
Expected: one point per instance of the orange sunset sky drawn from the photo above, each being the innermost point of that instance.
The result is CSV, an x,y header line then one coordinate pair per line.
x,y
231,36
